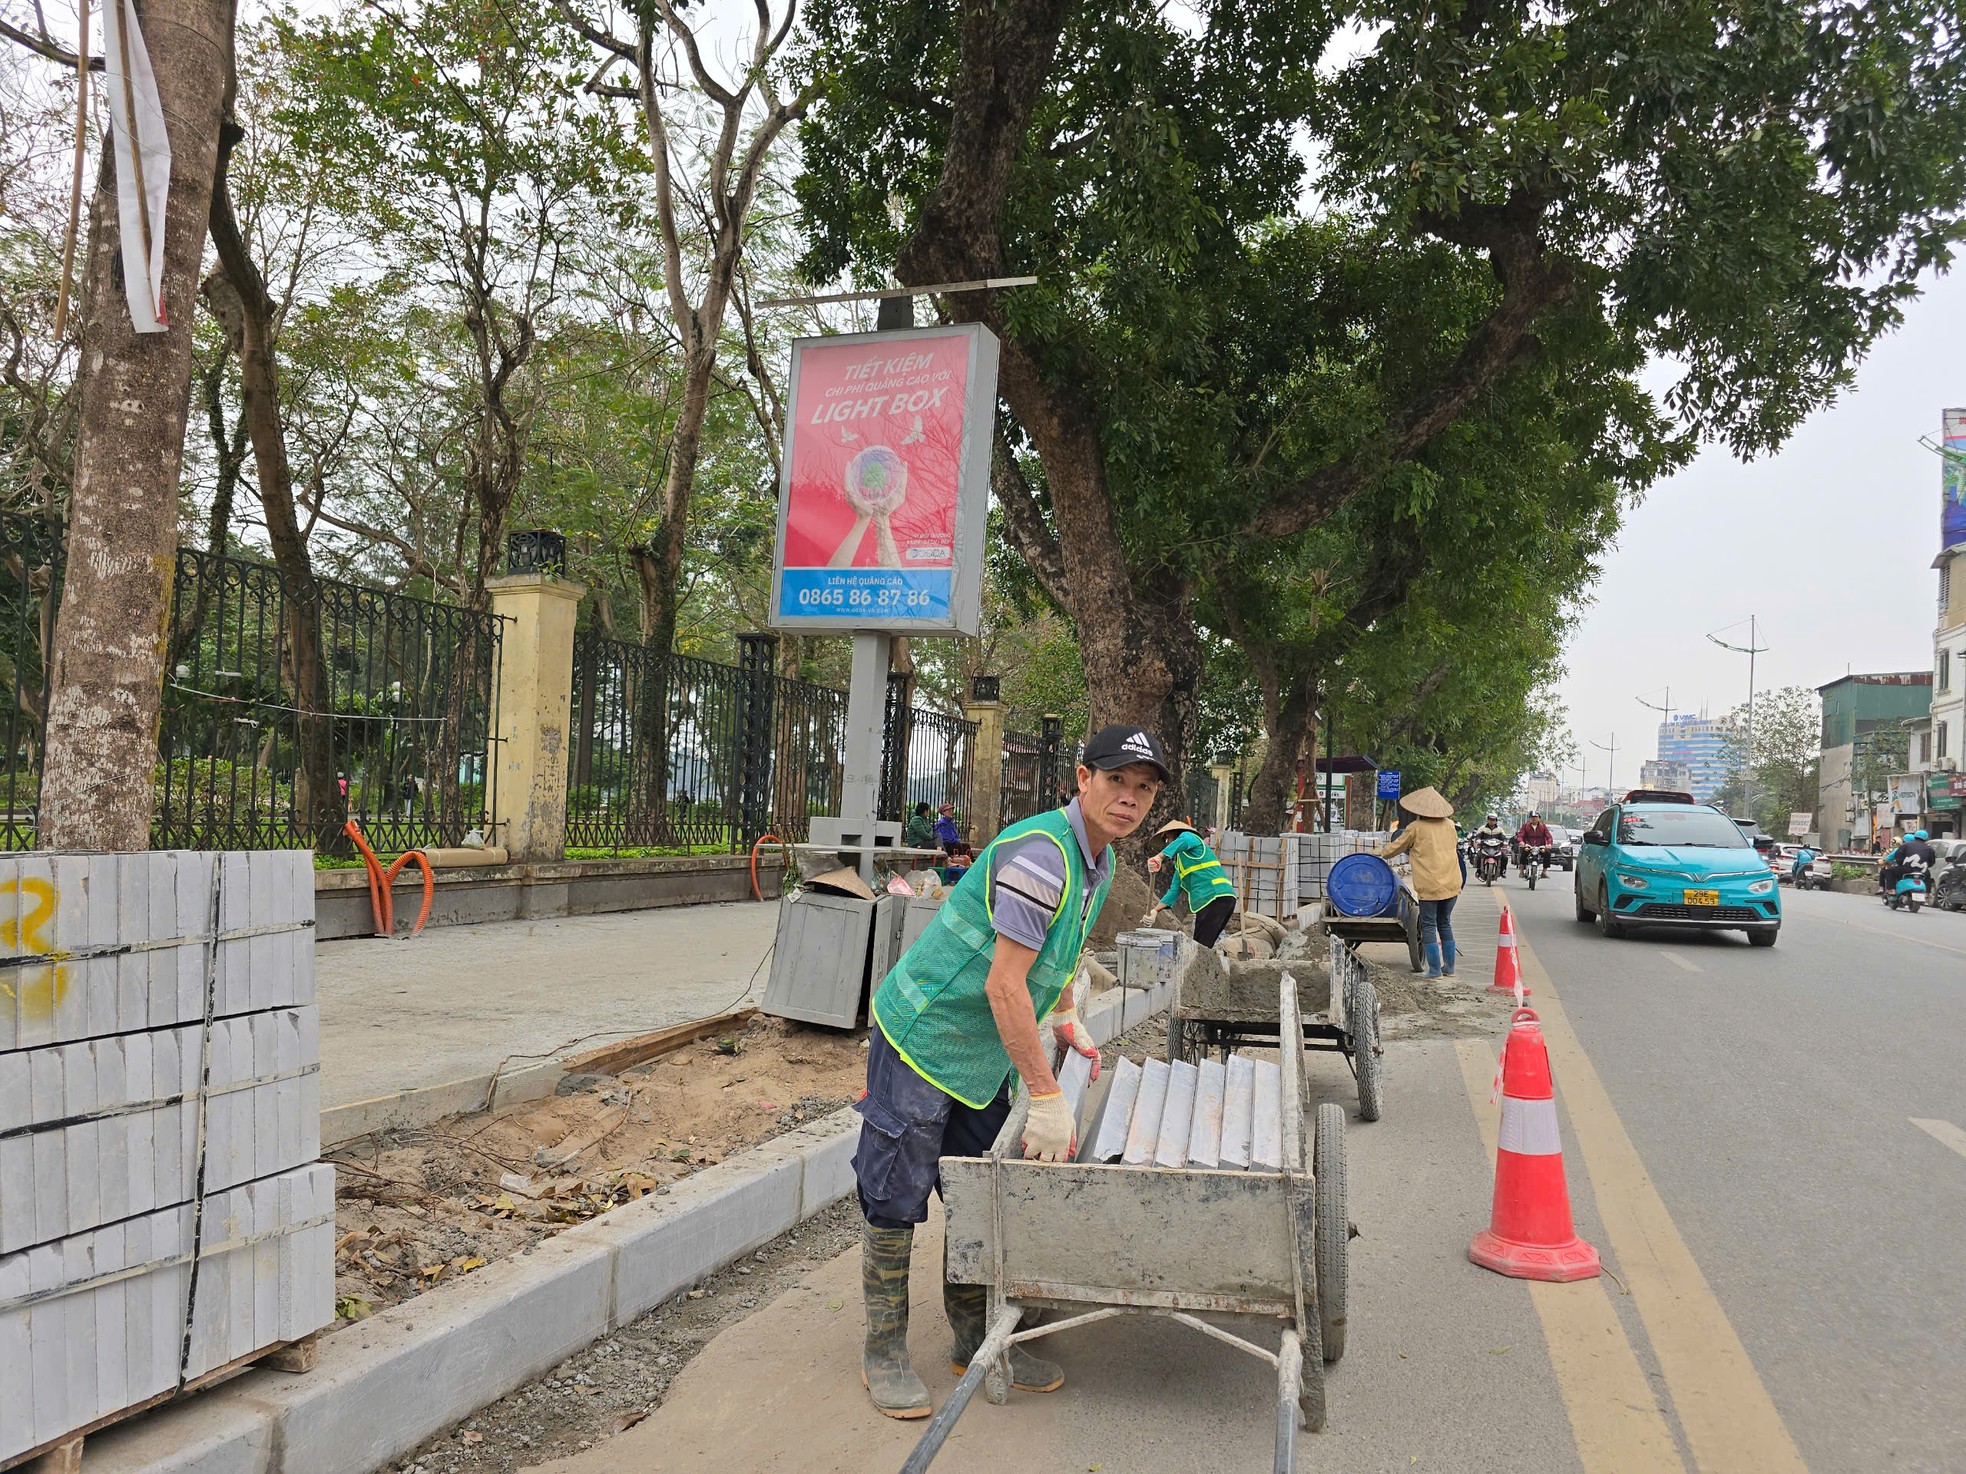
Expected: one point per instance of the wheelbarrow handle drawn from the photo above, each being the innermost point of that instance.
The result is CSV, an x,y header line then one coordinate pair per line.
x,y
939,1427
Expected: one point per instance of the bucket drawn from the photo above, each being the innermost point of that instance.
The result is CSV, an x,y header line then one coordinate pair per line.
x,y
1362,885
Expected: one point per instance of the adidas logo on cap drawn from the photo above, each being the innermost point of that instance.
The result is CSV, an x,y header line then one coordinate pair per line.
x,y
1138,744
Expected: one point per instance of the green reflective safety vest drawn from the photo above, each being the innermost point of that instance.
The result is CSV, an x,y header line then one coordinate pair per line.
x,y
1196,871
932,1006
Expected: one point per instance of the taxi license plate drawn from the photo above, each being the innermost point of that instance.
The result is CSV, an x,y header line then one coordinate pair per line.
x,y
1701,898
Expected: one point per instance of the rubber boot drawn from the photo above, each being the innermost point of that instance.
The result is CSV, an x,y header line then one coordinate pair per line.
x,y
968,1307
1447,950
884,1369
1431,951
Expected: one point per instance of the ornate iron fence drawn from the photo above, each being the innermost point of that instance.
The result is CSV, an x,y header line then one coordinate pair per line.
x,y
1022,795
681,753
925,758
398,733
408,686
30,588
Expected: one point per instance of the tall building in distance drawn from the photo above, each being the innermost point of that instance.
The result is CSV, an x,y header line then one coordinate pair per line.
x,y
1675,777
1699,745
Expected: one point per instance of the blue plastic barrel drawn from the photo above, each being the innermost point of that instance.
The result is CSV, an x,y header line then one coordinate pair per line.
x,y
1362,885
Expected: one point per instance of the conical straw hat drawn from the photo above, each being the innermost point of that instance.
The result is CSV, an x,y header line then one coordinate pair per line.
x,y
1427,803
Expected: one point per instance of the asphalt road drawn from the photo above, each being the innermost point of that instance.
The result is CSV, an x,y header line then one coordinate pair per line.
x,y
1783,1241
1773,1096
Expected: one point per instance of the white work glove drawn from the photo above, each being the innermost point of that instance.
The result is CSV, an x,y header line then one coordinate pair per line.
x,y
1153,915
1065,1024
1049,1130
1153,864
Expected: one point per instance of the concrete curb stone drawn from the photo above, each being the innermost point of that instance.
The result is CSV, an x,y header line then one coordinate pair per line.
x,y
385,1385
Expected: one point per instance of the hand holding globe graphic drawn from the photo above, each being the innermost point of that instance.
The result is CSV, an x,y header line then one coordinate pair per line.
x,y
876,484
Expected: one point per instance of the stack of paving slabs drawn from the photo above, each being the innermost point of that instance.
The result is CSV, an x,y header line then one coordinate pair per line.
x,y
1317,852
1264,868
162,1211
1225,1117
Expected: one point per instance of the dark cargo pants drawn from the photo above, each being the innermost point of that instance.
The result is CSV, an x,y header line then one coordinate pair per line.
x,y
907,1127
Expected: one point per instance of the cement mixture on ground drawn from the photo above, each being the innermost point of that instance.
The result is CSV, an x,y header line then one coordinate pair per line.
x,y
419,1208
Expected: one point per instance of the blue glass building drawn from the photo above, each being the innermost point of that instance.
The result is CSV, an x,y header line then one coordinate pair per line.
x,y
1701,744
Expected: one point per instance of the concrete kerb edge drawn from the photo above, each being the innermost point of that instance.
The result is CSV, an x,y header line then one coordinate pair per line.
x,y
432,1103
384,1386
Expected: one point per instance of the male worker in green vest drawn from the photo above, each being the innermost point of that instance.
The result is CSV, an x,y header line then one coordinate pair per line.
x,y
958,1013
1211,894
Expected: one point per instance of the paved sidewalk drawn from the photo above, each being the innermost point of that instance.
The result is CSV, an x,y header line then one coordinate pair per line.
x,y
456,1001
1446,1368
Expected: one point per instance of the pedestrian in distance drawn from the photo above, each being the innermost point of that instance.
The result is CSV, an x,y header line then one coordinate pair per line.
x,y
957,1017
1437,873
920,833
1199,874
947,834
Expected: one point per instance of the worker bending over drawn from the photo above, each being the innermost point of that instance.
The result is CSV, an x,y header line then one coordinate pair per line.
x,y
956,1015
1211,894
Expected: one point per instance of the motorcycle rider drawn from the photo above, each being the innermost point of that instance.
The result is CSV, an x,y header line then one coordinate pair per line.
x,y
1492,833
1804,858
1914,846
1535,840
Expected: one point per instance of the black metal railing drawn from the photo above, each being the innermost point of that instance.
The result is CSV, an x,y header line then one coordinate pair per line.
x,y
30,588
1021,795
286,710
392,725
678,753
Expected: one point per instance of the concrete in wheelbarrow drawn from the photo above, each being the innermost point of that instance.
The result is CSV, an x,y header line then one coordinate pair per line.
x,y
1446,1369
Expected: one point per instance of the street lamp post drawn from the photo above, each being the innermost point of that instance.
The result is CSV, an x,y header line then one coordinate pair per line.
x,y
1751,649
1611,768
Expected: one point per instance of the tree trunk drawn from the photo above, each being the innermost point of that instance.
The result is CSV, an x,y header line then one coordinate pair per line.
x,y
1267,809
238,294
106,681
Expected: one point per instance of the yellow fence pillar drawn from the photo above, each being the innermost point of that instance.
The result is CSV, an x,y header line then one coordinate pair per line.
x,y
534,702
985,769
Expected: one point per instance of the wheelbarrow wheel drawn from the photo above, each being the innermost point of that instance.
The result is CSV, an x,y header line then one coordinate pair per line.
x,y
1183,1040
1333,1226
1368,1064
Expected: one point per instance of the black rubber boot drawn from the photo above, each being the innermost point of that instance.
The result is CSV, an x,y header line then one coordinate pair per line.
x,y
884,1369
968,1307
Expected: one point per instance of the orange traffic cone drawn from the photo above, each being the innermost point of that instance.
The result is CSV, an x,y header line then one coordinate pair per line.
x,y
1508,970
1530,1235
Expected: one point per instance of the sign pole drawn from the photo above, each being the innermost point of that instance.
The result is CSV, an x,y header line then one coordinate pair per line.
x,y
866,707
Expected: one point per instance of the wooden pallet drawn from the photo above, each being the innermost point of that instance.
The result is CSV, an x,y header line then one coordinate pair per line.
x,y
63,1455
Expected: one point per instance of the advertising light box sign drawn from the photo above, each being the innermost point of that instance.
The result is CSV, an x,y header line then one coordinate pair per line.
x,y
885,487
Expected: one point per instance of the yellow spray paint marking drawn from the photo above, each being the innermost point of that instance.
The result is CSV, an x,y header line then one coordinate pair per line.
x,y
39,989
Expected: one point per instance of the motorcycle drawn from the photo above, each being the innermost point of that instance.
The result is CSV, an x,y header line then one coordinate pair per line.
x,y
1812,874
1908,892
1534,863
1491,857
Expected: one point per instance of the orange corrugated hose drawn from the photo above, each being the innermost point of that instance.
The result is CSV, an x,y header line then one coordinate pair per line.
x,y
756,893
382,883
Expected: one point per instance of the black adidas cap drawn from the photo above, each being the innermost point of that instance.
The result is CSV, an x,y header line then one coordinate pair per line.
x,y
1120,744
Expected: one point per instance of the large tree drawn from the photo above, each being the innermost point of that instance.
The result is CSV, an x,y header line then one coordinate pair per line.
x,y
1753,192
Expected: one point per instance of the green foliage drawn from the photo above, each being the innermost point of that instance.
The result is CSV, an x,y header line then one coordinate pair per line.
x,y
1783,760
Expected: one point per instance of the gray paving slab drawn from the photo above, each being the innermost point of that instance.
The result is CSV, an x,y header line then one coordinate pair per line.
x,y
458,1002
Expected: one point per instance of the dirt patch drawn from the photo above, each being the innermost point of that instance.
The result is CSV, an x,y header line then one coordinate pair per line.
x,y
417,1209
1414,1006
1127,900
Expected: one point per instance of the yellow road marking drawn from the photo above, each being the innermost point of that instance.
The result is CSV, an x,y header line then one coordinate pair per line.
x,y
1680,962
1943,1131
1615,1416
1730,1421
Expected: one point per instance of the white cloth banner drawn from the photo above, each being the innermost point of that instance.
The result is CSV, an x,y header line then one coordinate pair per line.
x,y
143,163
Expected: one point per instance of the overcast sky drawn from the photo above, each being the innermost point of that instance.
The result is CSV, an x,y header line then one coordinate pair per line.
x,y
1830,543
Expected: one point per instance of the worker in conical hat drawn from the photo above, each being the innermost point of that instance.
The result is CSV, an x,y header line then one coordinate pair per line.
x,y
1198,873
1436,852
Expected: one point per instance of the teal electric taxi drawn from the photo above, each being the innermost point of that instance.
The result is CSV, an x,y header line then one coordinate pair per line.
x,y
1659,859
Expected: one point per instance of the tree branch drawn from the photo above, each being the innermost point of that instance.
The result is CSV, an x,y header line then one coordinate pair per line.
x,y
1531,284
1026,523
45,45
